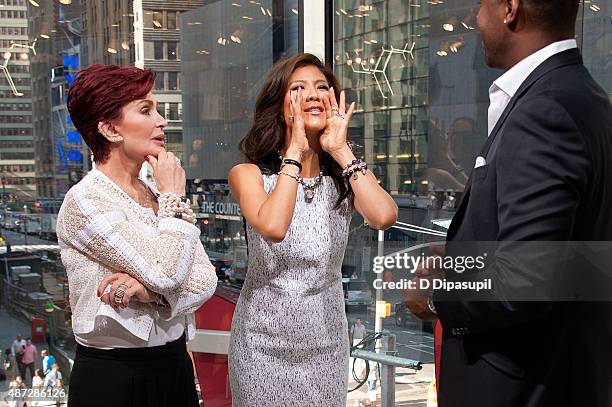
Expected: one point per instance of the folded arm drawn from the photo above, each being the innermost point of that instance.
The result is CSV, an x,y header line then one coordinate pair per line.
x,y
171,262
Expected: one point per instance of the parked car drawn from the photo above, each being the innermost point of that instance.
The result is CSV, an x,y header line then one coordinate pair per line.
x,y
357,293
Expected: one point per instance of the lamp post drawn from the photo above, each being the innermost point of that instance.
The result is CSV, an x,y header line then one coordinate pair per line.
x,y
25,227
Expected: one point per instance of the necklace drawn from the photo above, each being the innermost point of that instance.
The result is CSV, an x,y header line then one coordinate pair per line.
x,y
309,189
147,203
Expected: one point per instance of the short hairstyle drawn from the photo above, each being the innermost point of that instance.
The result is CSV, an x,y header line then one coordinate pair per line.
x,y
98,94
554,15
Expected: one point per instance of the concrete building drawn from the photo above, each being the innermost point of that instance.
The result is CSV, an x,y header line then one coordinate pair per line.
x,y
157,41
16,136
62,156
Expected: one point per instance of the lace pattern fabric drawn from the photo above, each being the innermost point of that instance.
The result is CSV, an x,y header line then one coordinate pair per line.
x,y
101,230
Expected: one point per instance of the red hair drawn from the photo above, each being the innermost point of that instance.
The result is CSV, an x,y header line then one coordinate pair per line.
x,y
98,94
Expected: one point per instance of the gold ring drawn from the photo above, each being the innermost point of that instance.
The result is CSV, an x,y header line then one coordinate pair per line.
x,y
120,293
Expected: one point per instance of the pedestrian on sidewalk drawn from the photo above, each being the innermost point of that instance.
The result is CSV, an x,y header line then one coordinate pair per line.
x,y
17,349
29,360
47,361
358,332
38,379
51,378
9,364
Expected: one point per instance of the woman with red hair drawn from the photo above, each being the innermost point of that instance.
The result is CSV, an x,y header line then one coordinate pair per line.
x,y
136,266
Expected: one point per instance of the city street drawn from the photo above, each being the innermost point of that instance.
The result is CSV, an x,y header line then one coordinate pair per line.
x,y
17,238
411,341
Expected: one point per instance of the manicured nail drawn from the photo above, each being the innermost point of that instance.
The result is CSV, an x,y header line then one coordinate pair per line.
x,y
146,158
98,293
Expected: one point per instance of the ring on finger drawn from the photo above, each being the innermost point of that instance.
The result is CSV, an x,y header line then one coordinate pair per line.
x,y
342,115
118,297
334,109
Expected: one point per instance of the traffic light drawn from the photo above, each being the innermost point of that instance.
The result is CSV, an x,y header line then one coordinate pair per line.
x,y
383,309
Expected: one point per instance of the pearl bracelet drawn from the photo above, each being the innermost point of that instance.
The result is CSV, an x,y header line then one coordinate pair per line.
x,y
173,206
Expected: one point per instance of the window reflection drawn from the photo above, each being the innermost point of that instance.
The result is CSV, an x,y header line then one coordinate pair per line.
x,y
414,68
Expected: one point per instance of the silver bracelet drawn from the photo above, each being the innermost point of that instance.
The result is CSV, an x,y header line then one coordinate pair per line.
x,y
294,176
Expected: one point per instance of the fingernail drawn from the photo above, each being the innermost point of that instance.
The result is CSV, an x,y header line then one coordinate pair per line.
x,y
146,158
98,293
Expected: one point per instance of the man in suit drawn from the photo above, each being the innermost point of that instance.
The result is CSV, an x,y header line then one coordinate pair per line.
x,y
544,174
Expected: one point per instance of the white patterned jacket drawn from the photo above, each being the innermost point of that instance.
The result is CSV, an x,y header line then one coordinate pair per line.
x,y
101,230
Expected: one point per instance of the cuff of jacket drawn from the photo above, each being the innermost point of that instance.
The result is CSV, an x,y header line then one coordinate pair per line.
x,y
178,225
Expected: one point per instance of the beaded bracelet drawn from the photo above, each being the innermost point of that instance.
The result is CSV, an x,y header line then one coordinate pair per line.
x,y
173,206
354,168
289,161
294,176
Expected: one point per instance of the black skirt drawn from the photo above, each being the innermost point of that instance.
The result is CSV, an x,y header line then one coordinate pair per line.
x,y
158,376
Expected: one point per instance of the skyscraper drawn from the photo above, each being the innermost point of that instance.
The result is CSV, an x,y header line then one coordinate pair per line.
x,y
16,139
62,157
157,40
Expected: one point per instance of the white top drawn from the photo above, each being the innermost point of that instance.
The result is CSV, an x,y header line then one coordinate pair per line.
x,y
504,88
102,230
17,344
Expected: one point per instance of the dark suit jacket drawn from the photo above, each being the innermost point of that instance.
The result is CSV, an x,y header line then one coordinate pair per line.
x,y
548,177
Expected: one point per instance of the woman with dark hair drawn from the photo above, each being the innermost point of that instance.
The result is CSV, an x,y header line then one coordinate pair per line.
x,y
136,266
289,343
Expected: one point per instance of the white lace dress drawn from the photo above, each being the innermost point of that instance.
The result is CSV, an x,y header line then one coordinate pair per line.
x,y
289,343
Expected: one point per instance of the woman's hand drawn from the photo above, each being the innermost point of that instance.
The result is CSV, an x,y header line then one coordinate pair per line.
x,y
134,290
334,138
169,174
299,142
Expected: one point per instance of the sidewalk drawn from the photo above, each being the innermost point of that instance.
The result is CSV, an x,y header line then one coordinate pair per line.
x,y
410,389
9,327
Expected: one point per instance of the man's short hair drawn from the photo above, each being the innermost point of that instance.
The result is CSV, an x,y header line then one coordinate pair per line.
x,y
554,15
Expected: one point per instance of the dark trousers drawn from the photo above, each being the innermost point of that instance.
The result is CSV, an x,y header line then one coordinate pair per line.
x,y
158,376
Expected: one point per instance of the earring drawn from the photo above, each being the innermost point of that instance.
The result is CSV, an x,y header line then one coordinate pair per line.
x,y
112,139
505,21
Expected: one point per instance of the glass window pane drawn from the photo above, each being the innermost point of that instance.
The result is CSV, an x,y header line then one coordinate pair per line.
x,y
173,81
158,20
172,50
173,112
172,20
158,49
148,19
149,50
159,81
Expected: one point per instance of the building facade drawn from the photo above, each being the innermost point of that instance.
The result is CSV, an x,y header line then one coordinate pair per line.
x,y
17,156
63,157
414,68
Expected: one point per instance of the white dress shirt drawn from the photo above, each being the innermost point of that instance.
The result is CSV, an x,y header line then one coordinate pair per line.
x,y
505,87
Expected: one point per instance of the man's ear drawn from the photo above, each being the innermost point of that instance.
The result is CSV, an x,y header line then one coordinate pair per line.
x,y
512,11
107,130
